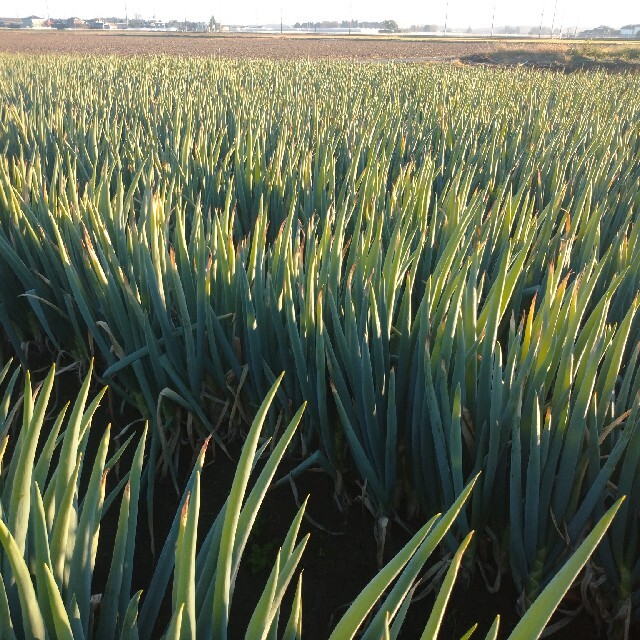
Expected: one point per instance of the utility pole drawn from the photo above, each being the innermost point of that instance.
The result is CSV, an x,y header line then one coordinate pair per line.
x,y
553,21
280,20
446,17
493,17
541,19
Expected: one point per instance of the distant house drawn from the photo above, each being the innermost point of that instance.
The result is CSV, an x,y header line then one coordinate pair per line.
x,y
75,23
601,32
98,24
35,22
70,23
630,31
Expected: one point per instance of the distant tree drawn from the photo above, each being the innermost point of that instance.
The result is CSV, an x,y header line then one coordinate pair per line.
x,y
469,30
213,25
390,25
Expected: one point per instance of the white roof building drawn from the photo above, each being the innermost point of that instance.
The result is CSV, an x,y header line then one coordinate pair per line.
x,y
630,30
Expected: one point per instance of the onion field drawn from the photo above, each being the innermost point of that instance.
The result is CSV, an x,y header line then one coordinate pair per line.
x,y
430,273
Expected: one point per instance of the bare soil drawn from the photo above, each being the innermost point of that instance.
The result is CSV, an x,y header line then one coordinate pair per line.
x,y
537,53
273,46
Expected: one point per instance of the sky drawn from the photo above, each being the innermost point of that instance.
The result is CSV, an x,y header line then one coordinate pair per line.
x,y
459,13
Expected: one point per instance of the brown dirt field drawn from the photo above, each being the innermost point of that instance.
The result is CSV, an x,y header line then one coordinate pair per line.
x,y
543,53
271,46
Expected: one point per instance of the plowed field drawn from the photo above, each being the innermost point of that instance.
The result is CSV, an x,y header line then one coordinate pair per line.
x,y
270,46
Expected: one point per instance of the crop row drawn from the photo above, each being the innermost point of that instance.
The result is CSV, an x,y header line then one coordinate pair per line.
x,y
50,532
